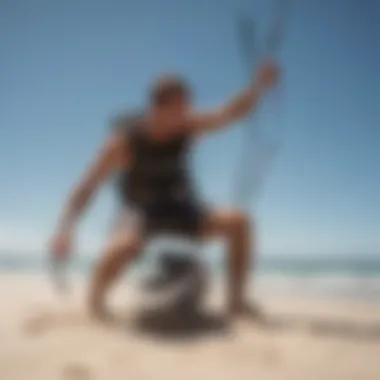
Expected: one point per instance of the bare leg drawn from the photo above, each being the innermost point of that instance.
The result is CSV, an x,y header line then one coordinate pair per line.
x,y
118,253
235,227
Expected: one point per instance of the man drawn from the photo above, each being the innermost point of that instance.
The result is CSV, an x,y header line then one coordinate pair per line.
x,y
149,151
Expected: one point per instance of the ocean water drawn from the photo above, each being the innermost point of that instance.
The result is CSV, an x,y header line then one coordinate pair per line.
x,y
324,276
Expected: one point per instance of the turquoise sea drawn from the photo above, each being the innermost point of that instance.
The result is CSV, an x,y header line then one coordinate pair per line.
x,y
327,276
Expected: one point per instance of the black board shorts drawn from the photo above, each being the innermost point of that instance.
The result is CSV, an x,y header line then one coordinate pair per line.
x,y
183,218
176,219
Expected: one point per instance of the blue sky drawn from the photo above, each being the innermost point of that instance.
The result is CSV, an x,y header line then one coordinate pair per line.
x,y
68,66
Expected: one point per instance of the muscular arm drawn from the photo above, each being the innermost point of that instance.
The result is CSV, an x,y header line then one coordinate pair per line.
x,y
239,105
109,157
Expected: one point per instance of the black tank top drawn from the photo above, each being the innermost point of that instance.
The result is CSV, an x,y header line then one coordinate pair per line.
x,y
158,179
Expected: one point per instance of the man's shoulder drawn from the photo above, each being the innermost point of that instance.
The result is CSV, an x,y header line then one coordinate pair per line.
x,y
126,121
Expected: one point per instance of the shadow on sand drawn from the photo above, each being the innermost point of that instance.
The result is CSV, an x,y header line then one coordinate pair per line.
x,y
164,325
170,326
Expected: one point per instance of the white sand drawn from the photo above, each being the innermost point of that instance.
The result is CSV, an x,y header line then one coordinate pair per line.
x,y
44,337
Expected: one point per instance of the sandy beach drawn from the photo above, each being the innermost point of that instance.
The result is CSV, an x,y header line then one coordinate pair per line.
x,y
45,336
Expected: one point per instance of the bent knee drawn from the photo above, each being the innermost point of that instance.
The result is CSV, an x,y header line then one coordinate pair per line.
x,y
232,221
238,220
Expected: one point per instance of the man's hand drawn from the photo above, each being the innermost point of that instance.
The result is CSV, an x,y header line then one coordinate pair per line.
x,y
61,245
241,104
267,75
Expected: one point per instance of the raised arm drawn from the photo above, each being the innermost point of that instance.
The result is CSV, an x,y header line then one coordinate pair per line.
x,y
239,105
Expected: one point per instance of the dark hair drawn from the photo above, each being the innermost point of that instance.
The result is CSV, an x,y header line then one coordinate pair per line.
x,y
167,86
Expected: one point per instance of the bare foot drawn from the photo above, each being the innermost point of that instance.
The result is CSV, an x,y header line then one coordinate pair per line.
x,y
99,312
247,311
